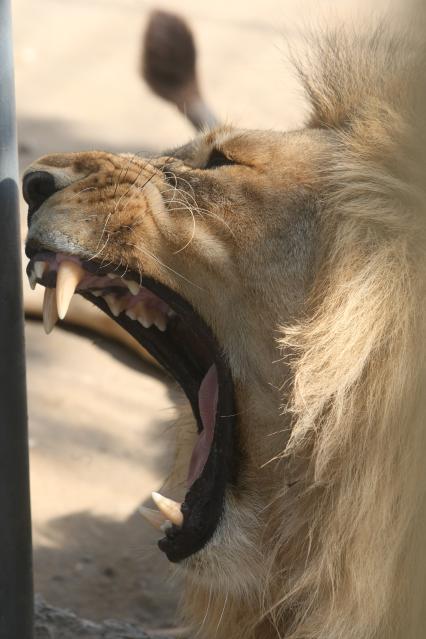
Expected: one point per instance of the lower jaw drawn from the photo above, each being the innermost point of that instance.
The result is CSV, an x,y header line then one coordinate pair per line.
x,y
203,506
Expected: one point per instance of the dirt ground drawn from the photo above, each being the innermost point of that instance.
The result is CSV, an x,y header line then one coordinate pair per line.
x,y
100,418
100,440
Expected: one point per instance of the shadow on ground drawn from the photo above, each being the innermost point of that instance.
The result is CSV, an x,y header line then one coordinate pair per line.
x,y
105,569
101,440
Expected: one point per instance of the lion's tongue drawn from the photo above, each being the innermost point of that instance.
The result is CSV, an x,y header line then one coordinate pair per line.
x,y
207,404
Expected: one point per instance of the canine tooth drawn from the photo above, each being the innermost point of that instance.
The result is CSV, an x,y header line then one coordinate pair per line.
x,y
97,293
132,286
39,269
131,313
112,276
32,278
170,509
69,276
154,517
50,314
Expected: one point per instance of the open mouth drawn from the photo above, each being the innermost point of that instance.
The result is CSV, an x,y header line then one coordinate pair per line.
x,y
170,329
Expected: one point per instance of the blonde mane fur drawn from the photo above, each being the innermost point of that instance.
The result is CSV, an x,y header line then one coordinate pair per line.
x,y
345,551
358,397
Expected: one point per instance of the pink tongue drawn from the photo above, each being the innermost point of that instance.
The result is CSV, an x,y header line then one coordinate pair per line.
x,y
207,404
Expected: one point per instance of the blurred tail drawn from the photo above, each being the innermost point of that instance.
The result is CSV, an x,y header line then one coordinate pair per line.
x,y
169,66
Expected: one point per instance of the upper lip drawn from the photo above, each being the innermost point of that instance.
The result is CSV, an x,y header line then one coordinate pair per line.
x,y
186,350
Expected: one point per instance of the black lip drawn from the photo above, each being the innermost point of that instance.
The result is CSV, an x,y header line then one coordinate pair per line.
x,y
204,502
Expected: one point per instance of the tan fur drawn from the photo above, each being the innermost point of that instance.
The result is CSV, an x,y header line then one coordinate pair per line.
x,y
307,260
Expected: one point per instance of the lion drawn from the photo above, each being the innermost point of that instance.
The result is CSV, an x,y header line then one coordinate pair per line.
x,y
279,278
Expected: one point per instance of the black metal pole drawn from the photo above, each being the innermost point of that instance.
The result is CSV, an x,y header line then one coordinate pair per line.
x,y
16,591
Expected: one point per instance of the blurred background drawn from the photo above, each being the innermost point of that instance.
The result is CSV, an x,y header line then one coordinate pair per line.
x,y
100,417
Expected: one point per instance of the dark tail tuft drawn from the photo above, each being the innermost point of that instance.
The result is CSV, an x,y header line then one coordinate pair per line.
x,y
169,60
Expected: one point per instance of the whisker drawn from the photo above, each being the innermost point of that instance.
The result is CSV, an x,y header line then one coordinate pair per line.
x,y
100,251
198,209
206,613
88,188
223,610
121,197
130,161
169,268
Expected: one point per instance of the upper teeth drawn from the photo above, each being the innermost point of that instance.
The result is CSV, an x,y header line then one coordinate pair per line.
x,y
115,305
70,274
39,269
32,278
147,316
132,286
50,313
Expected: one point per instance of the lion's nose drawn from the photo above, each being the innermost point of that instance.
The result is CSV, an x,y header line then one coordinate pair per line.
x,y
37,187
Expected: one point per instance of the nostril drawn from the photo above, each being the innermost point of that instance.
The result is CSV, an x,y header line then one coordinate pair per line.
x,y
37,187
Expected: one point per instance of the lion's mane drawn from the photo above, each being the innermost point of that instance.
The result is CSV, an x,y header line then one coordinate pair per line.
x,y
345,544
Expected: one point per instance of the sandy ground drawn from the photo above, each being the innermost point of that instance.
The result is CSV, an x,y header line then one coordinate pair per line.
x,y
100,440
99,417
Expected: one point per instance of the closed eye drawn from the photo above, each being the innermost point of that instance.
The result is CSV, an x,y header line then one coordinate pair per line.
x,y
218,158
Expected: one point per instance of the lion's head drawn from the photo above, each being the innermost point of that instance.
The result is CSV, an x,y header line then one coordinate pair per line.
x,y
275,276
